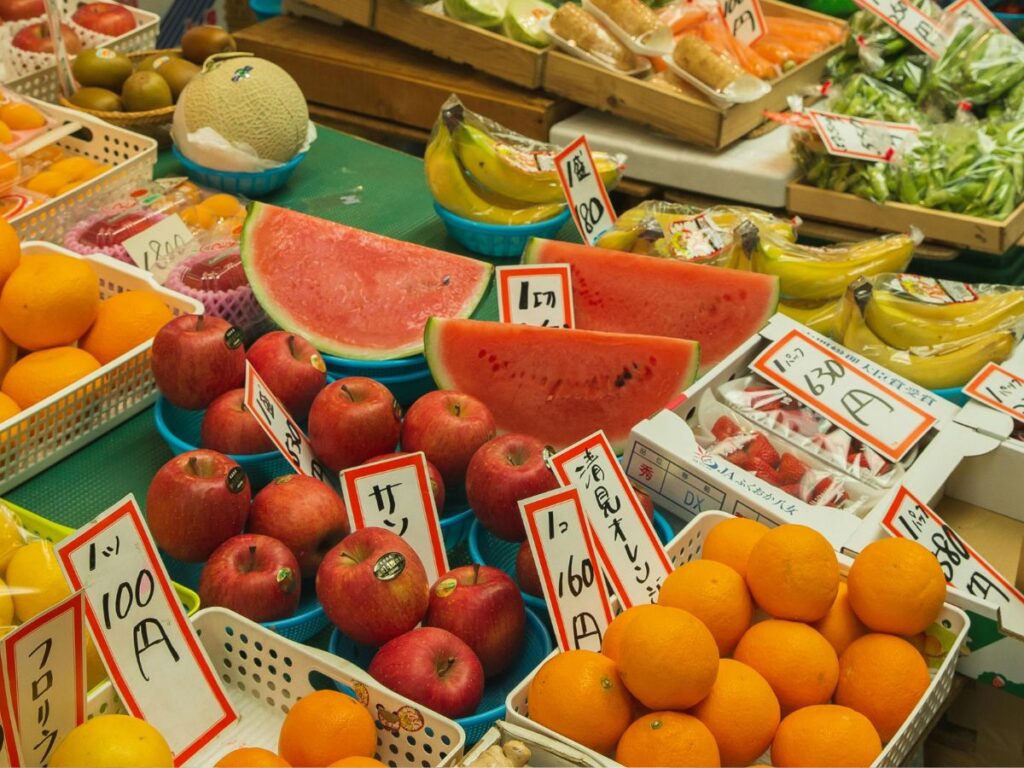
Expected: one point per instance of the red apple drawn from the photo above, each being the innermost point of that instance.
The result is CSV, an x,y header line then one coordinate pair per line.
x,y
436,483
372,585
504,471
195,503
256,576
291,367
197,358
111,19
448,427
526,571
646,502
434,668
351,420
36,38
303,513
16,10
482,607
229,427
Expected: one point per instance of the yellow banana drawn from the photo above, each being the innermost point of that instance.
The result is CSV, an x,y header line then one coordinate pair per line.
x,y
818,316
816,273
454,191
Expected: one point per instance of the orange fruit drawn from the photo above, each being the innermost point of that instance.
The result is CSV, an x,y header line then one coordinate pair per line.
x,y
21,117
324,727
10,250
741,712
49,300
251,757
612,640
8,408
9,168
198,217
793,573
896,586
668,659
47,183
731,540
38,375
222,205
882,677
358,762
580,695
826,734
840,626
73,167
124,321
8,354
6,136
667,739
714,593
798,663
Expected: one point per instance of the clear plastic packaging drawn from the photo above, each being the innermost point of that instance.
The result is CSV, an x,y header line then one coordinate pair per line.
x,y
864,178
979,66
715,74
52,171
634,24
864,96
20,122
580,34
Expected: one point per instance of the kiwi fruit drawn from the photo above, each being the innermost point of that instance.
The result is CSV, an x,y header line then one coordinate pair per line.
x,y
97,99
144,91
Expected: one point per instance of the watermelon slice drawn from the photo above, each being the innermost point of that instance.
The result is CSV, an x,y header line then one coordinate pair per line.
x,y
629,293
560,385
353,293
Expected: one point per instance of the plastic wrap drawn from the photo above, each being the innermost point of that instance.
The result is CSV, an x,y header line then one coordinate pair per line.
x,y
577,32
864,96
979,66
864,178
634,24
713,71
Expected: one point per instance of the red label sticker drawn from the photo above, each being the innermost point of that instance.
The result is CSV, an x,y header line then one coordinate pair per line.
x,y
534,295
10,750
588,199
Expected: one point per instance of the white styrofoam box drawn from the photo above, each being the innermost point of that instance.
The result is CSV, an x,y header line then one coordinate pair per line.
x,y
753,171
544,750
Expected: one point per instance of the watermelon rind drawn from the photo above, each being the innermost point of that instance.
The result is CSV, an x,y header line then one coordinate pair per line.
x,y
285,320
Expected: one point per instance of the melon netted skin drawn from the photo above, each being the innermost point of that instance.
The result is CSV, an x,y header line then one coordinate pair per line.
x,y
249,101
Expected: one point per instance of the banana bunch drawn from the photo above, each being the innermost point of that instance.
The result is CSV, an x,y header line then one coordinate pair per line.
x,y
936,343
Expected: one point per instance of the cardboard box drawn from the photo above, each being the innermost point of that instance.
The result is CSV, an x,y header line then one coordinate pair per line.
x,y
981,727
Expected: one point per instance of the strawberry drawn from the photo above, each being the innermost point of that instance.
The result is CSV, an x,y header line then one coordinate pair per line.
x,y
763,399
793,489
764,471
829,492
739,458
791,469
725,428
760,448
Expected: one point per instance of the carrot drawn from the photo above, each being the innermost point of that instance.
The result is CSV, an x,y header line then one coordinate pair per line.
x,y
773,50
658,63
824,31
715,34
801,50
752,61
683,16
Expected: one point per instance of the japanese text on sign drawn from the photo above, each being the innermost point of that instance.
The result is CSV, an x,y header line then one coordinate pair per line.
x,y
974,12
698,237
45,658
570,573
158,243
10,750
965,569
744,18
629,550
911,22
280,426
532,295
588,199
845,136
860,404
998,388
396,494
147,644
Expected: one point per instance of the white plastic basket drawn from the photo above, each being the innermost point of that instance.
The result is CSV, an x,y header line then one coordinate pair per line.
x,y
544,751
41,435
264,675
686,546
131,155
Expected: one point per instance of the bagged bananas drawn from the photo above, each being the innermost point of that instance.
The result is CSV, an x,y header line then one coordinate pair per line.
x,y
936,333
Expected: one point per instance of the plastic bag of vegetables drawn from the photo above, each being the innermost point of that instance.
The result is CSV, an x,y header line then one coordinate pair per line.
x,y
864,178
864,96
979,66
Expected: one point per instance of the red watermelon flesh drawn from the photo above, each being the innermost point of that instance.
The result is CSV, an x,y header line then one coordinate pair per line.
x,y
353,293
556,384
630,293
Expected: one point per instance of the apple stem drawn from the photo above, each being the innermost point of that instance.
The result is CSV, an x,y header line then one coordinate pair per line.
x,y
445,668
347,556
476,573
252,557
344,388
203,469
291,346
200,322
457,408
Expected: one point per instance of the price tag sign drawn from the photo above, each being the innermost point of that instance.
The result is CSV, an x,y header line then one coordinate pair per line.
x,y
698,238
570,573
998,388
536,295
965,569
280,426
396,494
974,12
10,750
624,536
45,658
819,378
588,199
744,18
150,649
911,22
157,243
846,136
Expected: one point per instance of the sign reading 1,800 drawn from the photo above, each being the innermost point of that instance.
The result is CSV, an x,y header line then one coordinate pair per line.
x,y
159,242
588,199
863,406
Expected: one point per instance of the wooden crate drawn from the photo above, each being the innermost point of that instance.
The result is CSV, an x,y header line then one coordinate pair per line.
x,y
357,11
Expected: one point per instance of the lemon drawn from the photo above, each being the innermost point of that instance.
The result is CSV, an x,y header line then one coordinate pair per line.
x,y
6,606
35,579
113,741
11,538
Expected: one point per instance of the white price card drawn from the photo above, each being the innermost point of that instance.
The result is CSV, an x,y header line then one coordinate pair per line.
x,y
45,658
10,750
570,573
395,494
845,136
911,22
157,243
626,542
863,406
588,199
151,651
998,388
744,18
536,295
974,12
282,429
965,569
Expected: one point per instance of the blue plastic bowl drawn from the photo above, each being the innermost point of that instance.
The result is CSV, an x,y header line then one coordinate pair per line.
x,y
265,9
536,647
408,387
498,240
248,184
1013,21
955,395
347,366
455,528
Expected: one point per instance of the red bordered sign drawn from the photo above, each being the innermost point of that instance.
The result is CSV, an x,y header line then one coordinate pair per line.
x,y
911,22
588,199
975,11
536,295
998,388
845,136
